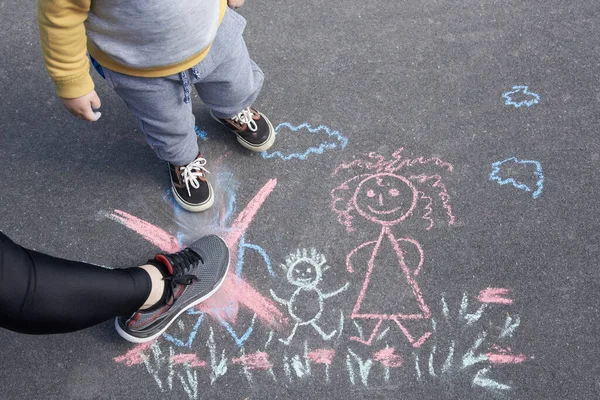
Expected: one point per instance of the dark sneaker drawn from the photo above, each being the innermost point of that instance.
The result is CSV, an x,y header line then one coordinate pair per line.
x,y
194,274
253,130
190,187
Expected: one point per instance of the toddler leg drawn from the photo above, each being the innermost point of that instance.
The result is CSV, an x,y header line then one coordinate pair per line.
x,y
229,80
168,123
163,116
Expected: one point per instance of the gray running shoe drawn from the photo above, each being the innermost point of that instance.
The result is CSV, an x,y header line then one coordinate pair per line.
x,y
195,273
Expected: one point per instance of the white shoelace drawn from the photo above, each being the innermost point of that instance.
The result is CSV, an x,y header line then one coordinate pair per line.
x,y
245,117
191,172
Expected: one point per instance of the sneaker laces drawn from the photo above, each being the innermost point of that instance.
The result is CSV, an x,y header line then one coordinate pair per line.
x,y
245,117
191,172
181,262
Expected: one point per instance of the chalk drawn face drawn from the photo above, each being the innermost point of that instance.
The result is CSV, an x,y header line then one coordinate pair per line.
x,y
304,273
385,198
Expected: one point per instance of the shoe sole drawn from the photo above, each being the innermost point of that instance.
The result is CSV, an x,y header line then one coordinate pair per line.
x,y
195,207
135,339
254,147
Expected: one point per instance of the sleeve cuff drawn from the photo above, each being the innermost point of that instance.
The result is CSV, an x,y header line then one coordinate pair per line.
x,y
74,88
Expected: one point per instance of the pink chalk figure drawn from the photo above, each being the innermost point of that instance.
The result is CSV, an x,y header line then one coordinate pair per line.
x,y
386,198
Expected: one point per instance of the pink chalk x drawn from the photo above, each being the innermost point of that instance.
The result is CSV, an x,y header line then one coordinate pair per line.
x,y
151,233
234,290
495,295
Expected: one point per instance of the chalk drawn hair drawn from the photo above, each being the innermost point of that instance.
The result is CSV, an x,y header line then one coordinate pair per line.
x,y
423,176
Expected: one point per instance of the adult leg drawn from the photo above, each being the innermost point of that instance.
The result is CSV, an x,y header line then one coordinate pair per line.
x,y
41,294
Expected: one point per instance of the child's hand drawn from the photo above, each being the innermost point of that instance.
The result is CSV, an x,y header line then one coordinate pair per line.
x,y
235,3
83,107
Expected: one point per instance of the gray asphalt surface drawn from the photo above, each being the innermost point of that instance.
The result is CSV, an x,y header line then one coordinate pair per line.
x,y
495,107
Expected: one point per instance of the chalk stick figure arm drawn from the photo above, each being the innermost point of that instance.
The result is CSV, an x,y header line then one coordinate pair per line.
x,y
412,242
349,265
278,299
340,290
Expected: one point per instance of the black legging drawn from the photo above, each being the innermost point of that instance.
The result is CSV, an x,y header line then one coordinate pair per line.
x,y
40,294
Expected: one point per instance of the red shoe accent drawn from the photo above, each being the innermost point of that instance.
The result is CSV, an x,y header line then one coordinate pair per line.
x,y
164,260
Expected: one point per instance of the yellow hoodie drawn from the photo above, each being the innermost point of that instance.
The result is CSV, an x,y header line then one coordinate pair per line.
x,y
149,38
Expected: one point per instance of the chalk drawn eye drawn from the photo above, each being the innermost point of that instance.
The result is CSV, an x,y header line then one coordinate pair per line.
x,y
308,270
370,193
394,192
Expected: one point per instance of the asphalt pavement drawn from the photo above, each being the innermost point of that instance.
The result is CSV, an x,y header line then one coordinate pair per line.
x,y
425,226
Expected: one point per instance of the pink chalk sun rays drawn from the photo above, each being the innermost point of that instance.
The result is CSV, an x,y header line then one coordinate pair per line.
x,y
386,198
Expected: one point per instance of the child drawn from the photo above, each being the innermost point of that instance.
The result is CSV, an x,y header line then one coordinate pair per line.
x,y
150,52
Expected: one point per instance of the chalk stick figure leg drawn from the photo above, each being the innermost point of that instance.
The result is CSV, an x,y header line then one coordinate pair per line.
x,y
416,343
289,339
368,342
324,335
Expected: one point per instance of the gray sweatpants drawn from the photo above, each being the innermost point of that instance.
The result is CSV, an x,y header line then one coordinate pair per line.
x,y
227,81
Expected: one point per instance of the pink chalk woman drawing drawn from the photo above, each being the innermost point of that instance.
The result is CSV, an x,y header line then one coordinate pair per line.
x,y
391,264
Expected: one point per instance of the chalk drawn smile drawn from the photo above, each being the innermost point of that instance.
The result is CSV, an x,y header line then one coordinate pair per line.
x,y
385,198
374,211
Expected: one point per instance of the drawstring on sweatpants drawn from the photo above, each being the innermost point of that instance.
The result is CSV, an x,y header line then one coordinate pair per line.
x,y
186,83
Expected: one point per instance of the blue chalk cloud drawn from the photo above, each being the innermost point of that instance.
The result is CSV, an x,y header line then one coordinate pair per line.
x,y
520,96
330,140
495,175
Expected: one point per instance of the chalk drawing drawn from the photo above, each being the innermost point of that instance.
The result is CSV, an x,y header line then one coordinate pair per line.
x,y
459,352
302,369
389,359
191,336
495,295
509,163
224,305
322,356
480,345
242,251
334,140
504,355
470,318
304,269
200,133
481,380
238,339
385,197
218,367
364,367
254,361
470,358
459,340
520,96
509,326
